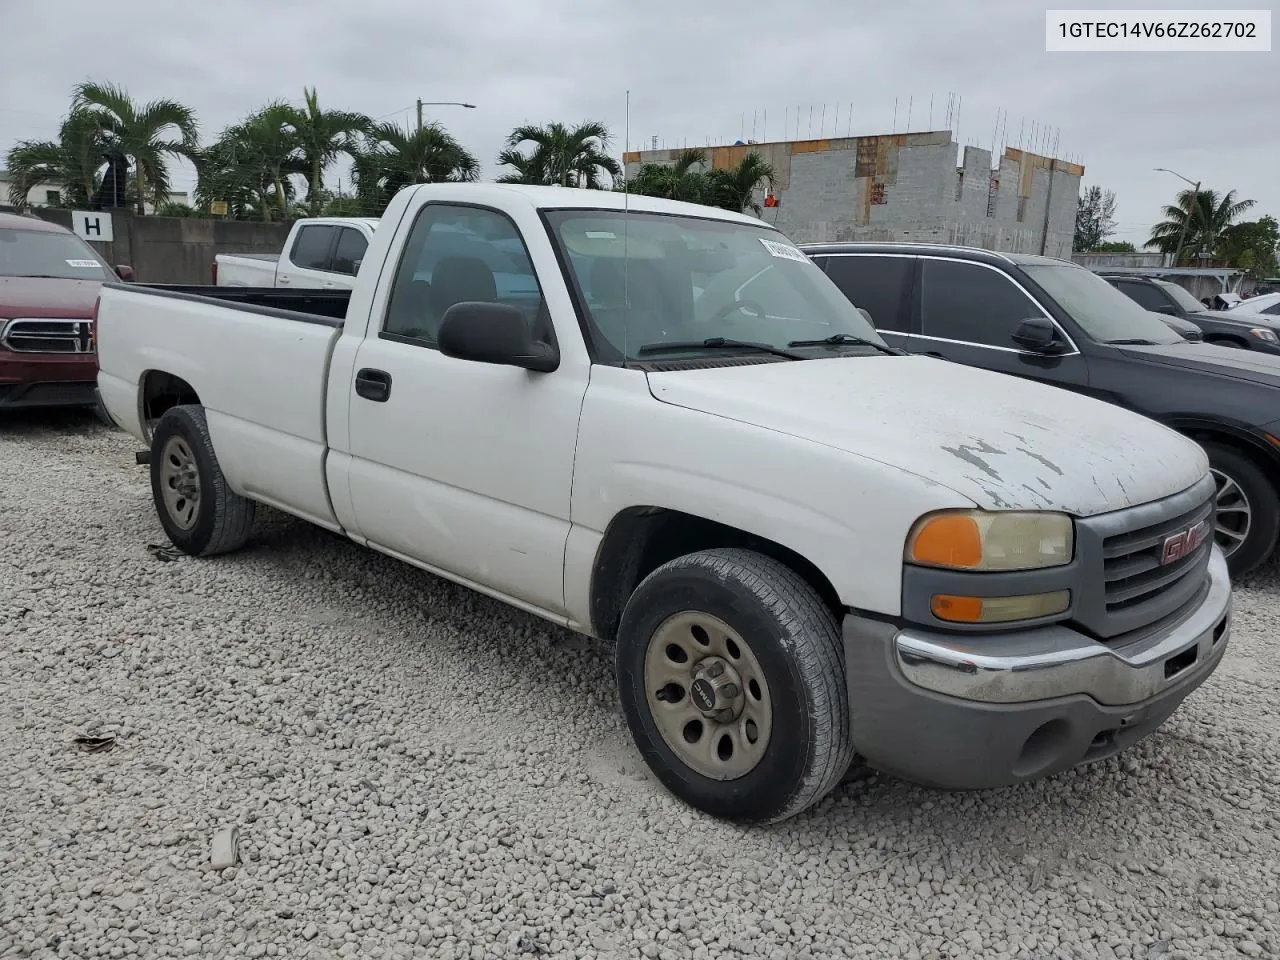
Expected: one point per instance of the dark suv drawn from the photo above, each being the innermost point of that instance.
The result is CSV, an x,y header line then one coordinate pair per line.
x,y
1220,326
1058,323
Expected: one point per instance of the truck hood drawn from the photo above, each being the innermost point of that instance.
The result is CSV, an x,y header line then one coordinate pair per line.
x,y
41,297
1251,365
1001,441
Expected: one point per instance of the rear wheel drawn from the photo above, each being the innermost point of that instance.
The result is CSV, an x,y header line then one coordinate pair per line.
x,y
1248,507
731,676
199,512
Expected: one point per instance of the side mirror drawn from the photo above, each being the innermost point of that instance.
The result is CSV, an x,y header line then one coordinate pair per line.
x,y
125,272
1168,309
355,266
1038,335
494,333
867,316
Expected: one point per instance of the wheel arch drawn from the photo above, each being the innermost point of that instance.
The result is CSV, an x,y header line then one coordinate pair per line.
x,y
158,391
1232,435
639,539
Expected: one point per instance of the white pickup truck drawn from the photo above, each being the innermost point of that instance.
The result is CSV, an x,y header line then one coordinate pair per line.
x,y
320,252
662,426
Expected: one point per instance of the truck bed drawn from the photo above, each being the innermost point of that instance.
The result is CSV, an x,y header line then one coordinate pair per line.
x,y
260,359
308,305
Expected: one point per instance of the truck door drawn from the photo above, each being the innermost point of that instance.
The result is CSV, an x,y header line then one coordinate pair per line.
x,y
464,467
306,261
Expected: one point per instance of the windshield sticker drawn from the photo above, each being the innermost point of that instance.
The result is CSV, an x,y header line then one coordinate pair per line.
x,y
83,263
783,250
601,235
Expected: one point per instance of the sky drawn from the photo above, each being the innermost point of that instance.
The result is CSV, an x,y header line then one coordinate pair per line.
x,y
697,74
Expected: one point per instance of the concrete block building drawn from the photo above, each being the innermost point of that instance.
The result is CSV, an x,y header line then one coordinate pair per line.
x,y
908,187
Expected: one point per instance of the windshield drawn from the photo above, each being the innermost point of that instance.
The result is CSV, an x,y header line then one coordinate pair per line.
x,y
44,253
1180,295
1105,314
654,280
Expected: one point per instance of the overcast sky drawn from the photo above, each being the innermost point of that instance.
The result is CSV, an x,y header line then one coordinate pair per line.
x,y
695,71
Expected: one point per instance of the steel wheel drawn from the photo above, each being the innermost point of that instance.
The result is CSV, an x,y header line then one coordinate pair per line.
x,y
1235,513
708,695
179,482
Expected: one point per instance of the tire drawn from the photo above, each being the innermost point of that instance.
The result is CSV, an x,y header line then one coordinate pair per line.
x,y
1236,471
790,639
215,520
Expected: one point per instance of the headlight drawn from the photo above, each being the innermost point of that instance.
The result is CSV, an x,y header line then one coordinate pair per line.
x,y
1262,333
978,540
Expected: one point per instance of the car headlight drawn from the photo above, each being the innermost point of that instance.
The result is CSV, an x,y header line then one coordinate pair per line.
x,y
1262,333
982,541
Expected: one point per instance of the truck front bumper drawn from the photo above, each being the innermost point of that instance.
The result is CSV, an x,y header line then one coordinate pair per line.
x,y
971,712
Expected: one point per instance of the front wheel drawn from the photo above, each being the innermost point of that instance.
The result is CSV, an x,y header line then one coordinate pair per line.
x,y
731,675
1248,518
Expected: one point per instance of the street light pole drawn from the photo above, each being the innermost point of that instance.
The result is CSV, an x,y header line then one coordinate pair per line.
x,y
1195,202
440,103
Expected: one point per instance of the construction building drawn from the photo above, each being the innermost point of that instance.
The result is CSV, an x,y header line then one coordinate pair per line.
x,y
908,187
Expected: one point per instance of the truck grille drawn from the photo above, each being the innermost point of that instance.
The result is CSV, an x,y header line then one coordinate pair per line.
x,y
49,336
1142,561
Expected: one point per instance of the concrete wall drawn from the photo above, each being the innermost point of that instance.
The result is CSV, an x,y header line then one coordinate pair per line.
x,y
1105,261
910,187
177,249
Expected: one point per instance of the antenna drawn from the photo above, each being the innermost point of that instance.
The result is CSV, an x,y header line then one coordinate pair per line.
x,y
626,211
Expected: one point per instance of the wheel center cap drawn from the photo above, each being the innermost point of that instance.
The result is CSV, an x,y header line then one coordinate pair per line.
x,y
716,689
703,695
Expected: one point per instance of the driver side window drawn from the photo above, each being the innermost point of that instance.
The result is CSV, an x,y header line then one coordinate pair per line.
x,y
972,303
460,254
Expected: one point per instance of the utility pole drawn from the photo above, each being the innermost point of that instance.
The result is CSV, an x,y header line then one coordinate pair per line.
x,y
1195,203
439,103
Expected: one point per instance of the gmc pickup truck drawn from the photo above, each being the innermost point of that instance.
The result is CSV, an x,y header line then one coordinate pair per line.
x,y
663,426
321,252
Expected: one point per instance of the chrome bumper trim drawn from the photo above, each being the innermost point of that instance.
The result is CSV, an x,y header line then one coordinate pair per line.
x,y
1056,661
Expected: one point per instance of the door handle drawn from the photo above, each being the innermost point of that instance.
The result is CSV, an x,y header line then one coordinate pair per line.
x,y
373,385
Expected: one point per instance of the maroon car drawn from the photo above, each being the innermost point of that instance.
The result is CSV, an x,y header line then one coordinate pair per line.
x,y
49,281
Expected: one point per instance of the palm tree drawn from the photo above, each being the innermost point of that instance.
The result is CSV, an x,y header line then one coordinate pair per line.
x,y
322,135
250,164
143,132
681,180
1205,214
569,157
70,163
734,188
393,158
525,169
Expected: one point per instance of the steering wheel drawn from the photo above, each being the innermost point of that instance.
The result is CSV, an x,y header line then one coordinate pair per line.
x,y
748,305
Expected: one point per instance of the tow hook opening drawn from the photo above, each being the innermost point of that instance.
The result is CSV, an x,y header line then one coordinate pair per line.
x,y
1175,665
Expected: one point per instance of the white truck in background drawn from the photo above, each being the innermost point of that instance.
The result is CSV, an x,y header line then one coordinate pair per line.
x,y
663,426
320,252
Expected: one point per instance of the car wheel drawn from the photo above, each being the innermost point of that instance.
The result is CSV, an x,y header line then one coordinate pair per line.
x,y
199,512
1248,506
731,675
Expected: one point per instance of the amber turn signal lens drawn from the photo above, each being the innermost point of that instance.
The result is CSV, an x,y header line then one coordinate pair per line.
x,y
948,540
959,609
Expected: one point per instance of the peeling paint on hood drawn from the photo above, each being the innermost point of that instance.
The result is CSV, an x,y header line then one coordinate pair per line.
x,y
999,440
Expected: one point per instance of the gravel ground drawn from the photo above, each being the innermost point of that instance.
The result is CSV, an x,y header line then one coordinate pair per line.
x,y
417,771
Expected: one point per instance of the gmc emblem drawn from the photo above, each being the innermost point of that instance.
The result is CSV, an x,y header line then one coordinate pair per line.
x,y
1183,544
